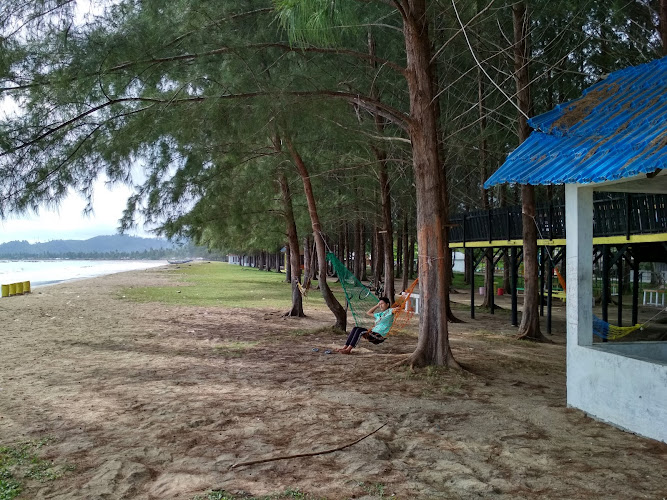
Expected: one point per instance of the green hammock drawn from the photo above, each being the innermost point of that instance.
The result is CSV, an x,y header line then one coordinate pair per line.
x,y
359,298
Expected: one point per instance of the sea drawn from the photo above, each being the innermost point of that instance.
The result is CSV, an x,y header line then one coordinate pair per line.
x,y
50,272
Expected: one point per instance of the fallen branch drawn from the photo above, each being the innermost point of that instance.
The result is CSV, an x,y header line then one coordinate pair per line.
x,y
285,457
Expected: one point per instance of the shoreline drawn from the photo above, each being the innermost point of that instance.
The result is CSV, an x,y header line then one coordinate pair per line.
x,y
49,272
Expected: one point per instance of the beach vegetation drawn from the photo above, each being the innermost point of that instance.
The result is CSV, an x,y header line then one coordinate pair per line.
x,y
21,462
285,495
221,284
233,349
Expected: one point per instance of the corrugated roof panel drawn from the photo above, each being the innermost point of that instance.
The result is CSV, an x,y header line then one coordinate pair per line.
x,y
617,129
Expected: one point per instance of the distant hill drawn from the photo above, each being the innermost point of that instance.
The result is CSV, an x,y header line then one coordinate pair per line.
x,y
98,245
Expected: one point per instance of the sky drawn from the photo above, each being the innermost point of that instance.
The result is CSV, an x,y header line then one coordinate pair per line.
x,y
67,222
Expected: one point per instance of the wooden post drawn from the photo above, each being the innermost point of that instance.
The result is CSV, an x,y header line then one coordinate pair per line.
x,y
550,283
605,283
542,266
472,282
514,278
635,290
619,267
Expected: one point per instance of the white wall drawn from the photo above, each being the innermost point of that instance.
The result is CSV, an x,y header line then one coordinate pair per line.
x,y
622,384
627,392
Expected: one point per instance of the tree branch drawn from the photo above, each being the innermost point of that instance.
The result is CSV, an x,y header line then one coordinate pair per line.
x,y
282,46
222,50
373,105
286,457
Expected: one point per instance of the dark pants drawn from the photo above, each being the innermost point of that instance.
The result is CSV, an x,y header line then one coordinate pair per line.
x,y
357,332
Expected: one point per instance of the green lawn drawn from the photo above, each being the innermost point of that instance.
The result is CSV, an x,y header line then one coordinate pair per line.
x,y
227,285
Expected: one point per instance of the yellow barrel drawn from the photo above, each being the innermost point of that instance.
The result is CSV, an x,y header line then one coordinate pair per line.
x,y
26,287
19,288
5,290
12,289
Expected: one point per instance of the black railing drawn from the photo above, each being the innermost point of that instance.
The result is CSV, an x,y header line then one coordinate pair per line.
x,y
613,215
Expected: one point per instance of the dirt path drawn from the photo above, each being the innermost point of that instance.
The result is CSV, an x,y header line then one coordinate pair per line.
x,y
149,401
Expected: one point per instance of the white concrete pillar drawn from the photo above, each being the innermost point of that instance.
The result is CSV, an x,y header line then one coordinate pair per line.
x,y
579,231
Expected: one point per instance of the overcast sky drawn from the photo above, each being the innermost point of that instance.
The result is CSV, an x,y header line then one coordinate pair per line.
x,y
68,222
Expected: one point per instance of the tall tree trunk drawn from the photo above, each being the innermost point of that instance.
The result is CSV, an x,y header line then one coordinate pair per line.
x,y
387,230
385,196
484,194
344,250
362,250
530,318
488,277
372,242
406,255
378,263
307,275
411,255
332,303
314,262
288,267
502,195
433,343
433,71
398,269
357,250
293,247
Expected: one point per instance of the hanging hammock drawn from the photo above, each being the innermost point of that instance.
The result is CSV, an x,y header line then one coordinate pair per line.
x,y
601,328
360,299
405,310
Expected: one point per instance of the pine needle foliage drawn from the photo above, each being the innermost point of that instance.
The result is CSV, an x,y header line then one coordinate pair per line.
x,y
324,23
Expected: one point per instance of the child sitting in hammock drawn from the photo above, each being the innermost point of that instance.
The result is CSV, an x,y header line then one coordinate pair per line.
x,y
384,317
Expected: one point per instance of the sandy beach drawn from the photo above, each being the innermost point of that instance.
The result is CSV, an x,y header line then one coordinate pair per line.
x,y
155,401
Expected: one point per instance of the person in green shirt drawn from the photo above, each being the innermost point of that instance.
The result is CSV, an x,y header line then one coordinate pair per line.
x,y
384,318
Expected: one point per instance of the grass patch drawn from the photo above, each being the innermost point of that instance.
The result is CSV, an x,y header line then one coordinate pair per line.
x,y
227,285
459,280
375,489
233,349
20,462
287,494
435,379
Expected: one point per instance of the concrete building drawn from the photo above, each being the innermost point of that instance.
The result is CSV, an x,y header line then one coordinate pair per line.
x,y
613,138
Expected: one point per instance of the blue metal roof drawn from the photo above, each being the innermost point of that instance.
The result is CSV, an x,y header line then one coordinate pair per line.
x,y
617,129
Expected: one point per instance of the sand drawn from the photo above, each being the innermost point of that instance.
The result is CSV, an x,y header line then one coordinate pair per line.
x,y
149,401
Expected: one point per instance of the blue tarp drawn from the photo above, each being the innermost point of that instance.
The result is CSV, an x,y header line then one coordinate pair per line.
x,y
617,129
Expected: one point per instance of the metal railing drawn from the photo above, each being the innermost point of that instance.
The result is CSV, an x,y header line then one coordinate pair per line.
x,y
614,214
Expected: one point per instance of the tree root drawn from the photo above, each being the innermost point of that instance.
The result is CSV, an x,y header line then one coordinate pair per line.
x,y
416,360
292,314
541,338
405,361
453,319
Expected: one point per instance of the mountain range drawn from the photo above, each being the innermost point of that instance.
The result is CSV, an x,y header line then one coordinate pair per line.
x,y
97,245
